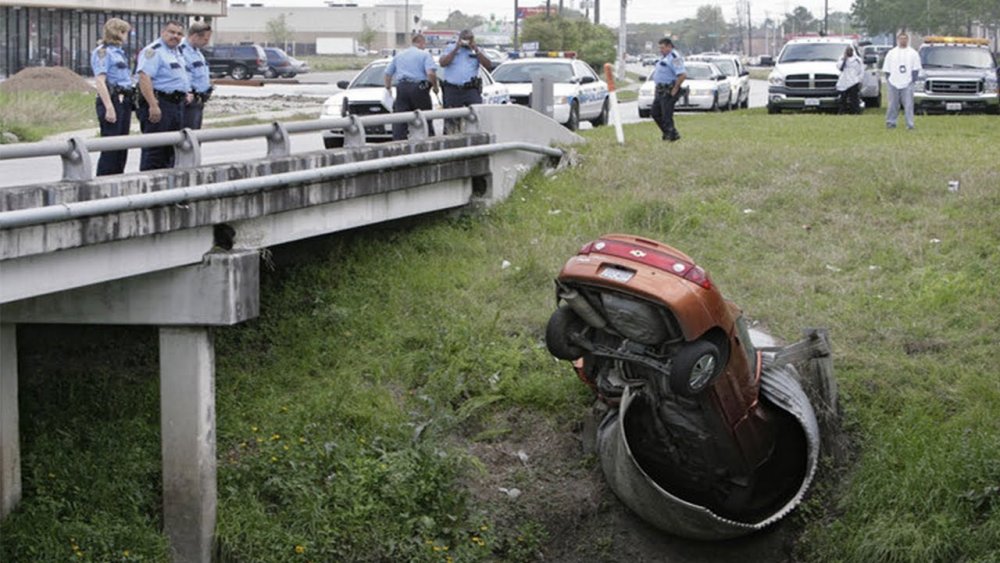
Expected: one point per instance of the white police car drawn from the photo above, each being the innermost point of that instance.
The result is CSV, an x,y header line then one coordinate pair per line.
x,y
363,96
578,93
706,87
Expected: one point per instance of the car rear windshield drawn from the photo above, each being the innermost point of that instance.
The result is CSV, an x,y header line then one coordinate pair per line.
x,y
812,52
371,77
956,57
698,72
519,73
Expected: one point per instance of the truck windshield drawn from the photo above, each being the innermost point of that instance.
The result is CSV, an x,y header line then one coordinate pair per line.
x,y
371,77
517,73
956,57
812,52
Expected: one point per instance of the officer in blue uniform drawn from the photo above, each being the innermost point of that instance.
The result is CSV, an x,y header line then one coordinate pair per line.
x,y
114,92
165,90
199,35
668,75
460,82
414,74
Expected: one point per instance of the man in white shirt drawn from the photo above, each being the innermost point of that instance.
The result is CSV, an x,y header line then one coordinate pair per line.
x,y
901,67
849,84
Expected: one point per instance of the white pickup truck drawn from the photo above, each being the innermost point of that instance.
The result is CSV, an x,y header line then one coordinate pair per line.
x,y
805,75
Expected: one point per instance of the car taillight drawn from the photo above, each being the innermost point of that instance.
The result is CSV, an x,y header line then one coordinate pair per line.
x,y
698,275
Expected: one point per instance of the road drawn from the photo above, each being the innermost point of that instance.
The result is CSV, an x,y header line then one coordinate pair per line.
x,y
318,85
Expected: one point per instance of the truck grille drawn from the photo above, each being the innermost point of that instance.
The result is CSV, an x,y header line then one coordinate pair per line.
x,y
362,109
809,81
953,86
521,100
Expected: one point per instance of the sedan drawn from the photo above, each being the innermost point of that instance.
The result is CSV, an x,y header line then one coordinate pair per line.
x,y
706,88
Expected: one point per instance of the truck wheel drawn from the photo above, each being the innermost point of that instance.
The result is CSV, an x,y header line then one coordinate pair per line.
x,y
239,72
873,102
643,113
715,103
695,367
563,322
772,109
746,102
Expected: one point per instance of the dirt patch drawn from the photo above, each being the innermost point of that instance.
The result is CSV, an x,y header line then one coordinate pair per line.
x,y
560,486
46,79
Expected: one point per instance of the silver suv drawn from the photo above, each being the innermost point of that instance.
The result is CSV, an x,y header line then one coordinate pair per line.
x,y
805,75
960,74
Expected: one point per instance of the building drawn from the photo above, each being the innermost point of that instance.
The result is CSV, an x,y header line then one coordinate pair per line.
x,y
64,32
388,25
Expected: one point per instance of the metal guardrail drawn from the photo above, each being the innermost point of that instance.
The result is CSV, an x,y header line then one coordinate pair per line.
x,y
76,210
77,164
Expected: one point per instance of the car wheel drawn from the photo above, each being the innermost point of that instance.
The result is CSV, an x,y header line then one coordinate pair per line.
x,y
574,117
603,118
715,103
239,72
563,322
746,102
333,142
695,367
270,73
643,113
873,102
772,109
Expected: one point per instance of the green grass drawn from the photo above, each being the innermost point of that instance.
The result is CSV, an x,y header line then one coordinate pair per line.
x,y
347,412
331,63
760,73
627,96
34,115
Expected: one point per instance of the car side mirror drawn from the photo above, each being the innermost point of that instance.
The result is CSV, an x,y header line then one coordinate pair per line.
x,y
643,78
343,84
744,72
587,79
720,77
871,59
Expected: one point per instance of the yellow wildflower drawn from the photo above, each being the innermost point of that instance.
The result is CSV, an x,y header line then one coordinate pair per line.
x,y
300,549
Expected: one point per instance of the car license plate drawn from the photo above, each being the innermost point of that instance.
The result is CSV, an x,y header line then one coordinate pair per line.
x,y
616,274
953,106
812,102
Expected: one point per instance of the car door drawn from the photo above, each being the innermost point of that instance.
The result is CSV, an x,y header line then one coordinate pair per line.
x,y
493,92
590,97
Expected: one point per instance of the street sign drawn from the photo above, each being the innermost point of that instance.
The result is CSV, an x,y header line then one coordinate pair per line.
x,y
529,46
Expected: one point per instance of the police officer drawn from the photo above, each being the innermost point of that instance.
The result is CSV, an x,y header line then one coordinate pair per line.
x,y
668,75
199,34
414,73
165,90
460,82
114,92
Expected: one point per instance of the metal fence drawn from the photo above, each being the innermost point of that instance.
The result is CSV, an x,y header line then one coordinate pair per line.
x,y
77,163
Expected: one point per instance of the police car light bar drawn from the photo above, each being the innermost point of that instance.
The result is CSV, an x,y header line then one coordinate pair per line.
x,y
956,40
542,54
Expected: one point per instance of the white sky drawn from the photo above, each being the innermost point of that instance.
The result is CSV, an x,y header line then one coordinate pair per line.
x,y
638,10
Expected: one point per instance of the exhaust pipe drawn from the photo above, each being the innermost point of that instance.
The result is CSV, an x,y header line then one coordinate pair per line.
x,y
582,307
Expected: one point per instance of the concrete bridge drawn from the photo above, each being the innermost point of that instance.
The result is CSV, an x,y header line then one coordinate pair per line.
x,y
179,249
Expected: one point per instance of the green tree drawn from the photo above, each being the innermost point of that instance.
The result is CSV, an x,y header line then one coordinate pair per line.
x,y
802,21
278,31
459,21
367,35
709,30
594,44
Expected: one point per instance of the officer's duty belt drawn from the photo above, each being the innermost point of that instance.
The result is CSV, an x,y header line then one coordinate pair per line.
x,y
473,84
173,97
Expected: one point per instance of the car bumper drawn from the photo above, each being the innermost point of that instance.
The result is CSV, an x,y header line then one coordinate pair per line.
x,y
696,101
926,101
645,102
373,134
783,98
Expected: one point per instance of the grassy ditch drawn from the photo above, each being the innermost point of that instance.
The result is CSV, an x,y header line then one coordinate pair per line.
x,y
394,375
34,115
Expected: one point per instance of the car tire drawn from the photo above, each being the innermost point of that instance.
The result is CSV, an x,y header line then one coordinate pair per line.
x,y
333,142
574,117
603,118
563,322
644,113
695,367
715,103
772,110
873,102
746,102
239,72
270,73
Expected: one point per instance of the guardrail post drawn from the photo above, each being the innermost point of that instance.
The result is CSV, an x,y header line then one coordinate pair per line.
x,y
10,449
278,143
187,153
354,134
472,124
418,126
76,161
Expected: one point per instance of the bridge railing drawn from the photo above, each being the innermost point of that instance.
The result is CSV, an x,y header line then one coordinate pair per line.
x,y
78,165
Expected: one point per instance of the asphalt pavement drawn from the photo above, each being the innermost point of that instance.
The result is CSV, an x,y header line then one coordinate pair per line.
x,y
319,85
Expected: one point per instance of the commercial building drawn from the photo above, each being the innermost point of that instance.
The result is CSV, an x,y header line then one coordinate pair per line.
x,y
63,33
297,29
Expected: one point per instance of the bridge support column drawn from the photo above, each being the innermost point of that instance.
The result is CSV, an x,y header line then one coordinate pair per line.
x,y
187,422
10,447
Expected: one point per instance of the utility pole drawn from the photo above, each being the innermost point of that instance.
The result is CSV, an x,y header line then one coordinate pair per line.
x,y
548,8
826,17
749,32
516,44
560,8
597,12
622,42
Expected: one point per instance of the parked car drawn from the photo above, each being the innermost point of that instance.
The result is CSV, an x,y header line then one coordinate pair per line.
x,y
241,62
805,76
364,94
649,60
280,63
578,93
706,87
736,73
495,56
960,75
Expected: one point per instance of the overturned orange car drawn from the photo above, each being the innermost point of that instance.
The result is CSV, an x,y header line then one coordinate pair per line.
x,y
707,436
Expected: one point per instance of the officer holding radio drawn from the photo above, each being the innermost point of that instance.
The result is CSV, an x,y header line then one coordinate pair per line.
x,y
669,75
165,89
461,85
414,74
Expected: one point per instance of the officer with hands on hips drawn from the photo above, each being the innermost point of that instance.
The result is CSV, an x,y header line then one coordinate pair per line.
x,y
668,75
199,34
414,73
461,85
165,90
114,92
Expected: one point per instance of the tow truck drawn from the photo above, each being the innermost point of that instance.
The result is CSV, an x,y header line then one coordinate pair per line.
x,y
959,75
